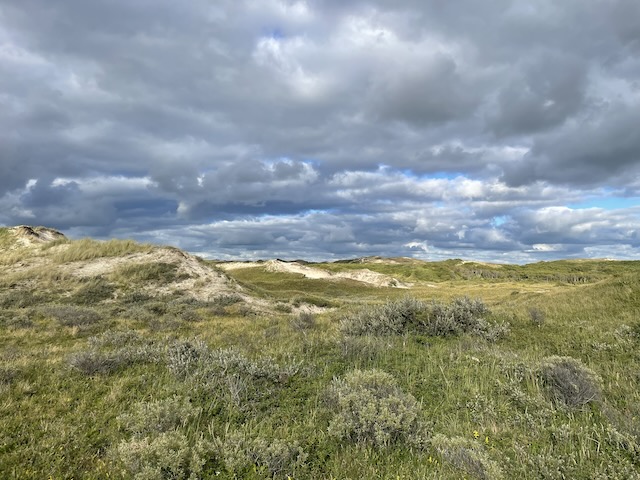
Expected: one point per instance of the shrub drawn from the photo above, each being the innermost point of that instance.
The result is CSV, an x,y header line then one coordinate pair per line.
x,y
570,382
93,291
277,457
370,408
100,359
408,315
186,357
462,315
7,375
391,318
71,316
13,319
303,321
467,456
92,362
537,316
160,416
157,272
169,455
20,298
225,300
227,373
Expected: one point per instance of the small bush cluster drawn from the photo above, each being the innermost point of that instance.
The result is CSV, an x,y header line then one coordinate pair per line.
x,y
20,298
370,408
7,375
16,319
228,373
467,456
157,448
391,318
409,315
71,316
111,351
93,291
275,457
460,316
225,300
537,316
157,272
168,455
570,382
303,321
146,418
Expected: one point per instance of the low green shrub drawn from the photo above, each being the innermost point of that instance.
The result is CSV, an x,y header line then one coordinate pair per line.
x,y
370,408
112,351
156,272
468,456
408,315
536,316
21,298
391,318
274,457
462,315
93,291
146,418
226,300
168,455
570,382
303,321
71,316
8,375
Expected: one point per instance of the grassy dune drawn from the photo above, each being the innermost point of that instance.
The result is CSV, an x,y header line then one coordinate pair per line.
x,y
132,385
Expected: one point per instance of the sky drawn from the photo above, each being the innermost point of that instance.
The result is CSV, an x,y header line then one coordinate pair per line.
x,y
501,130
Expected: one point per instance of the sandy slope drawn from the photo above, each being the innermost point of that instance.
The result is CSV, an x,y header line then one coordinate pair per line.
x,y
363,275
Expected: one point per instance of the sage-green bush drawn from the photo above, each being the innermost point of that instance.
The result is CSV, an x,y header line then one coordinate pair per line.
x,y
570,382
468,456
409,315
370,408
159,416
391,318
168,455
275,457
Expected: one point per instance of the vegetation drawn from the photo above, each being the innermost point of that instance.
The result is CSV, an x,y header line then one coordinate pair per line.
x,y
104,377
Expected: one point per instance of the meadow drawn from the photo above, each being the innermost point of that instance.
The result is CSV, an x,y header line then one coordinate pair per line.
x,y
476,371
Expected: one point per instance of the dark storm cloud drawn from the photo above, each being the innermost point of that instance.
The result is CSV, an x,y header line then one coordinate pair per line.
x,y
321,127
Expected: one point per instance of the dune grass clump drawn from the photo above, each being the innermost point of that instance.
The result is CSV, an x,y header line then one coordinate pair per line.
x,y
156,272
370,408
570,382
88,249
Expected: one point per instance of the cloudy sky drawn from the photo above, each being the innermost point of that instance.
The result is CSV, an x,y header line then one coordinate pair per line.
x,y
501,130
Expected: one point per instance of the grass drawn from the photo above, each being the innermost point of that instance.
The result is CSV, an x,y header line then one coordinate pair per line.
x,y
89,249
90,387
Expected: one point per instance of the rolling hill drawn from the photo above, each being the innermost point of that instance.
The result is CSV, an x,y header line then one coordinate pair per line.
x,y
126,360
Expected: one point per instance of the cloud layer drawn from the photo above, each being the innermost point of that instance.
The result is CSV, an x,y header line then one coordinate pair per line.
x,y
501,130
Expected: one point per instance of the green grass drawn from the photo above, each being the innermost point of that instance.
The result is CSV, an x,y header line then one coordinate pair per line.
x,y
486,405
88,249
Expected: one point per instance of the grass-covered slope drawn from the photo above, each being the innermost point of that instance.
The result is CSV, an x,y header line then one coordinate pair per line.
x,y
110,367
